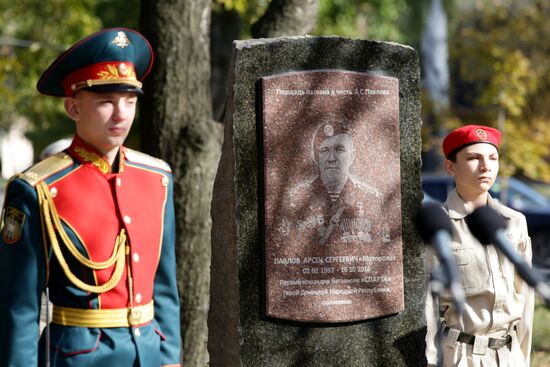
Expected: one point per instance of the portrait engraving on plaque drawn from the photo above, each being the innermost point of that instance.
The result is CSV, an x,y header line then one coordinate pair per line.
x,y
333,250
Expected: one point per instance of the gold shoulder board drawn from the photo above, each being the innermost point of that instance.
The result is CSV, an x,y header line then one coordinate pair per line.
x,y
145,159
46,168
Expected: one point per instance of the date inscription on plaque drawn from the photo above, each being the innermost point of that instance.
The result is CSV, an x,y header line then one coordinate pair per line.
x,y
333,248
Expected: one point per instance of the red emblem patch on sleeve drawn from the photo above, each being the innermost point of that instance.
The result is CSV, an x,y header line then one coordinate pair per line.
x,y
13,225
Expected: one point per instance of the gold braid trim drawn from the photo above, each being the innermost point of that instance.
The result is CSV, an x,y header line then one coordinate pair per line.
x,y
92,157
49,213
91,82
70,245
44,236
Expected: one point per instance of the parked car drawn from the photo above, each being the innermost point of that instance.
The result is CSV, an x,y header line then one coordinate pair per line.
x,y
516,195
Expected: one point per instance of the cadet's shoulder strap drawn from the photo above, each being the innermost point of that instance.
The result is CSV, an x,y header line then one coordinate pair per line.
x,y
46,168
141,158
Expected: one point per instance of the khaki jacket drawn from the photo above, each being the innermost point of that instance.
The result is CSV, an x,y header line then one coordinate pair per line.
x,y
498,301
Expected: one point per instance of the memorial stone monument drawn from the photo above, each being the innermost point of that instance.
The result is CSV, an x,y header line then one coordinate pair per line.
x,y
315,259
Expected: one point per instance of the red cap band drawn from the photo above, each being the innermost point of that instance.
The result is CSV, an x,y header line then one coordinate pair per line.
x,y
111,72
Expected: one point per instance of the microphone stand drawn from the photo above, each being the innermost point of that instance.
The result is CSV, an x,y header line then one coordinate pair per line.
x,y
437,286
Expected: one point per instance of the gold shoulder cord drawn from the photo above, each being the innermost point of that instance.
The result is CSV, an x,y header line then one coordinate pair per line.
x,y
52,223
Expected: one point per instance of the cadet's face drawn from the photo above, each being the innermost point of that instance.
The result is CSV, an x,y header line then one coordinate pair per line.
x,y
475,169
335,157
103,120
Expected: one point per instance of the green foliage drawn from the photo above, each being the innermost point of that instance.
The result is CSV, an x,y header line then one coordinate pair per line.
x,y
118,13
374,19
41,30
488,58
526,145
387,20
499,61
249,11
33,33
246,8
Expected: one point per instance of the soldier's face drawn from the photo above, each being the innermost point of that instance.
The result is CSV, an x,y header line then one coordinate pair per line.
x,y
335,157
475,169
103,120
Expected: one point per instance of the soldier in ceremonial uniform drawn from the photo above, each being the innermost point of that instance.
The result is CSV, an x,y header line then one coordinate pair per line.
x,y
94,224
494,330
339,206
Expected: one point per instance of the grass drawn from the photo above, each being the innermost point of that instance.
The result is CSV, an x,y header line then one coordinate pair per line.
x,y
541,336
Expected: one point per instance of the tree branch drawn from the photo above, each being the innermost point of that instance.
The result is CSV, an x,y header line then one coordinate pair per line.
x,y
287,18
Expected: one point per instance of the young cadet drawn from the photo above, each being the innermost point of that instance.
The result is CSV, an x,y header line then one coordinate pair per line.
x,y
495,327
95,224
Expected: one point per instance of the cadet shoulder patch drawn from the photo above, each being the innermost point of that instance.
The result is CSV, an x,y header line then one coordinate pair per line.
x,y
145,159
46,168
12,225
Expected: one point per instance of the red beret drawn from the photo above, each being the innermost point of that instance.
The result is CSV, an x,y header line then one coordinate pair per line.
x,y
470,134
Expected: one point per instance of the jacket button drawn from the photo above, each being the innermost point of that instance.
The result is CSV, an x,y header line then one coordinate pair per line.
x,y
53,192
119,181
137,332
127,219
136,257
138,298
164,181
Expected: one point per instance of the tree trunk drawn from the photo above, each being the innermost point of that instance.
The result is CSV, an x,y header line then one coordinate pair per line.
x,y
177,126
435,55
226,27
435,80
287,18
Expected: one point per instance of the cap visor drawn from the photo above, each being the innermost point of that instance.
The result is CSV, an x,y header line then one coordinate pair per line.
x,y
113,88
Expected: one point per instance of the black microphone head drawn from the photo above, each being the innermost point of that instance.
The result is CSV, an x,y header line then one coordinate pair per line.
x,y
430,219
484,223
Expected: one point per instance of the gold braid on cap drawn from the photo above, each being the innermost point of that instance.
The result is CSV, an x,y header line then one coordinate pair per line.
x,y
93,82
52,224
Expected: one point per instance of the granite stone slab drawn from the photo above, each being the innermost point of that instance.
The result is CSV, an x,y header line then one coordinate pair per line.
x,y
243,331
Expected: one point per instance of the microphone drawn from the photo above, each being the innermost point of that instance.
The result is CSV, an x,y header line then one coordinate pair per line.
x,y
435,228
488,227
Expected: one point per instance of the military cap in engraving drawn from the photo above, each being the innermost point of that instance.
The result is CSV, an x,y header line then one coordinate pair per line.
x,y
111,60
468,135
328,129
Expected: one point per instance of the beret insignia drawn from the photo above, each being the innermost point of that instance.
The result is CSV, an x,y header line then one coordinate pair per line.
x,y
481,134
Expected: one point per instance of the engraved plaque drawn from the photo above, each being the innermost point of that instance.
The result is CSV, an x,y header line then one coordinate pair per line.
x,y
333,249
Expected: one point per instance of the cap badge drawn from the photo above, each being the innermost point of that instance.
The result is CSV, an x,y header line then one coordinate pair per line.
x,y
481,134
13,225
121,40
328,130
122,69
